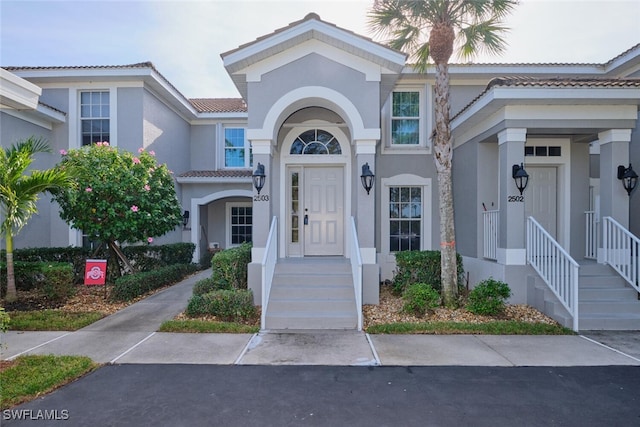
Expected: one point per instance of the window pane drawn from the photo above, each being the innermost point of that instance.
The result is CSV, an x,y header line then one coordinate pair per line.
x,y
406,104
315,148
405,132
405,218
234,157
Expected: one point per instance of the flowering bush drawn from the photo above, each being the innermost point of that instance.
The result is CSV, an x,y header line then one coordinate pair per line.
x,y
119,196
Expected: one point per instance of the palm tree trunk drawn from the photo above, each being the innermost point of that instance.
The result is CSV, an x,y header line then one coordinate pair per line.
x,y
12,294
443,155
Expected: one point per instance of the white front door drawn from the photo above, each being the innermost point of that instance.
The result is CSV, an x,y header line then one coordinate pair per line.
x,y
323,211
541,198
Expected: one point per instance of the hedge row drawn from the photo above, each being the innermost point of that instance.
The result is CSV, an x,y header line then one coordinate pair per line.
x,y
229,267
421,267
143,258
52,280
131,286
229,305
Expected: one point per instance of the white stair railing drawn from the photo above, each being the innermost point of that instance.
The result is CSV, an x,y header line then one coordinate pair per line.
x,y
621,250
356,268
555,266
591,233
268,268
491,225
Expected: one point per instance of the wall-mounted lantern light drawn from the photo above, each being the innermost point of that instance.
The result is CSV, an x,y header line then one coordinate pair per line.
x,y
258,177
185,219
520,176
629,178
367,177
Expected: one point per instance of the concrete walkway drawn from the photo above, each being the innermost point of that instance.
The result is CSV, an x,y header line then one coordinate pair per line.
x,y
130,336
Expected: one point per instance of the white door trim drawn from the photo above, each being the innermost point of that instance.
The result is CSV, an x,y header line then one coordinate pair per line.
x,y
287,160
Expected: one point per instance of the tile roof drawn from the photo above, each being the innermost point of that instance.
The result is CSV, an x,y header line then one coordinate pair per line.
x,y
146,64
219,105
232,173
554,82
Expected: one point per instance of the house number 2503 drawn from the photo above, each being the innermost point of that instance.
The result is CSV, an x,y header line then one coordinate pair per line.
x,y
261,198
515,199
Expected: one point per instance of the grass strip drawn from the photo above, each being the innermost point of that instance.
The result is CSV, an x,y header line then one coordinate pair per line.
x,y
51,320
206,326
31,376
503,327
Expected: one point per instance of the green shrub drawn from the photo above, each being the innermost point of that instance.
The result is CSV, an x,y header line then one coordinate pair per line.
x,y
229,267
52,280
131,286
230,305
206,285
5,320
421,267
488,298
419,298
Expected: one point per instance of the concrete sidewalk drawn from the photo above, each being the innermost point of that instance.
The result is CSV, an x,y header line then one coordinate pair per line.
x,y
130,336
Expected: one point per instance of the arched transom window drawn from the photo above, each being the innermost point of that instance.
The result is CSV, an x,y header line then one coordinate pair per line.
x,y
315,141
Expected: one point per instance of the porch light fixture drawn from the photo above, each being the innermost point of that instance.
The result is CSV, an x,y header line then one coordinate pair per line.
x,y
367,177
520,176
185,219
258,177
629,178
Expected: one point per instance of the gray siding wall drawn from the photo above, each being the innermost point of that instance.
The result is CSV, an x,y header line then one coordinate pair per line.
x,y
130,119
314,70
461,96
634,201
465,198
203,147
579,198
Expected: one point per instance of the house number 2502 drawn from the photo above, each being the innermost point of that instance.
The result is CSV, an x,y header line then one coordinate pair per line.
x,y
261,198
515,199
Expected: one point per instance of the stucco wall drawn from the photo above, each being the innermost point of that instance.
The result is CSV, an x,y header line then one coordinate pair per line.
x,y
203,147
579,202
314,70
634,201
465,198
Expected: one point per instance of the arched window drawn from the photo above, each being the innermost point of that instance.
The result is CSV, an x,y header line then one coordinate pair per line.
x,y
315,141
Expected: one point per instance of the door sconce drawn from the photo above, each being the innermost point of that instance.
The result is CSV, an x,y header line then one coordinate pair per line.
x,y
367,177
520,176
185,219
629,178
258,177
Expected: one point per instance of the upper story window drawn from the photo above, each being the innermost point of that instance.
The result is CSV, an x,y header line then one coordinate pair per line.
x,y
237,150
405,118
315,141
94,117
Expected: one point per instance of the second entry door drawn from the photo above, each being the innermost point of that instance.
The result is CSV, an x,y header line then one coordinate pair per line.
x,y
323,210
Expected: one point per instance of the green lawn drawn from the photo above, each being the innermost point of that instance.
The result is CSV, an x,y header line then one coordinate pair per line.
x,y
506,327
206,326
32,376
51,320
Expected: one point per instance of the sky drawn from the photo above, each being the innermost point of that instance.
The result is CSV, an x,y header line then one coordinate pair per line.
x,y
184,39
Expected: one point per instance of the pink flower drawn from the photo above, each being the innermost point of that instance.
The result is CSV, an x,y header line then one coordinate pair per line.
x,y
99,144
140,150
149,239
88,189
152,153
146,187
134,208
136,160
63,152
105,144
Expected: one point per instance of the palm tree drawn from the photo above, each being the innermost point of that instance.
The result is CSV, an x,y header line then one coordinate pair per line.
x,y
432,28
19,193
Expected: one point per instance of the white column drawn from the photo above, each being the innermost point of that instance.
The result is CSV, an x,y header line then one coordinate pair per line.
x,y
512,246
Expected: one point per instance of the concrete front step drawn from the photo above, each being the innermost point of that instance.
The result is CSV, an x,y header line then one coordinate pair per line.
x,y
317,305
305,292
618,306
609,321
626,294
603,281
311,320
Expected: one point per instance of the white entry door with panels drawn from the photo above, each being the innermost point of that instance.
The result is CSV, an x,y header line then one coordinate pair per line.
x,y
542,199
316,198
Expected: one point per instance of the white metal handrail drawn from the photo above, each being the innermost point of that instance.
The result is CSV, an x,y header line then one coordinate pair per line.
x,y
356,268
269,260
591,234
491,225
621,250
555,266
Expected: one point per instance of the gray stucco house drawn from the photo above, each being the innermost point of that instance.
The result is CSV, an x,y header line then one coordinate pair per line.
x,y
318,103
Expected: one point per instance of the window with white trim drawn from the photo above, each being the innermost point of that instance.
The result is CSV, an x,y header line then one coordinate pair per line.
x,y
406,118
240,227
94,117
405,218
237,149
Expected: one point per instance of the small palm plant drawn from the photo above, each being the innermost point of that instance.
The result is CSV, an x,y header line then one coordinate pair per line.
x,y
19,193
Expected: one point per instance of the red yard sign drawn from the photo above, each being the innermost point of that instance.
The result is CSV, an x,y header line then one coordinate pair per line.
x,y
95,272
